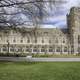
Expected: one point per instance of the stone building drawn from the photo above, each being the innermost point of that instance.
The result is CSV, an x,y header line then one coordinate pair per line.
x,y
44,40
73,20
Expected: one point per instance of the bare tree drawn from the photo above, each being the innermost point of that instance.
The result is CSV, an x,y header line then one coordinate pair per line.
x,y
25,12
12,12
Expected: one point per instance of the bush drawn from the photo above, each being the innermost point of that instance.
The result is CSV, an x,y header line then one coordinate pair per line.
x,y
12,55
41,55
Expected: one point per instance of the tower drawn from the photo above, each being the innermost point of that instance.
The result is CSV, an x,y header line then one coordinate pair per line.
x,y
73,21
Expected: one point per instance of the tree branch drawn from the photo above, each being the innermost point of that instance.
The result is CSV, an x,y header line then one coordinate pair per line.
x,y
18,3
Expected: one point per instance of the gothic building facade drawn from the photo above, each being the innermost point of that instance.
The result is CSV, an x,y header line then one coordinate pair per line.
x,y
44,40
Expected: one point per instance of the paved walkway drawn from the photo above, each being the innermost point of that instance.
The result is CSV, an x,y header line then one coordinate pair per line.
x,y
40,59
56,59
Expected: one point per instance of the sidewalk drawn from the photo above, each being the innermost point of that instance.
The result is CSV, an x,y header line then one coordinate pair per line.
x,y
39,59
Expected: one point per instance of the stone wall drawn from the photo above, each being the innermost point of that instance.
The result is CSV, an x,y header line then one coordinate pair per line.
x,y
46,41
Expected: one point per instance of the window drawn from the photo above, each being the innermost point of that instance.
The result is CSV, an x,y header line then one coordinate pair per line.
x,y
0,49
63,40
12,49
46,33
78,49
27,50
50,50
20,50
56,40
35,49
35,40
7,41
4,48
43,49
58,49
14,40
65,49
42,41
72,49
21,41
28,41
79,39
50,47
72,30
49,41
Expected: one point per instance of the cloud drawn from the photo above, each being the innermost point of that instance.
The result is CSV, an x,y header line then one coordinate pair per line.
x,y
48,26
58,19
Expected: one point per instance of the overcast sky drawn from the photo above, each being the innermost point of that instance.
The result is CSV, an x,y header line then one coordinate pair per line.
x,y
59,17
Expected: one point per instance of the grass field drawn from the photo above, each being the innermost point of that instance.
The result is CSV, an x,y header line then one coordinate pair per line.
x,y
40,71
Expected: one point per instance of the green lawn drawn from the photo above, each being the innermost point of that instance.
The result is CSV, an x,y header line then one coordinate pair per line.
x,y
40,71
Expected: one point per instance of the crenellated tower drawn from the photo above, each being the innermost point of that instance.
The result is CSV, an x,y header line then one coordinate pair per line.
x,y
73,21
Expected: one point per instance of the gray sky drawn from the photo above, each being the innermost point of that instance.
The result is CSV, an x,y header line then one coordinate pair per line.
x,y
59,17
